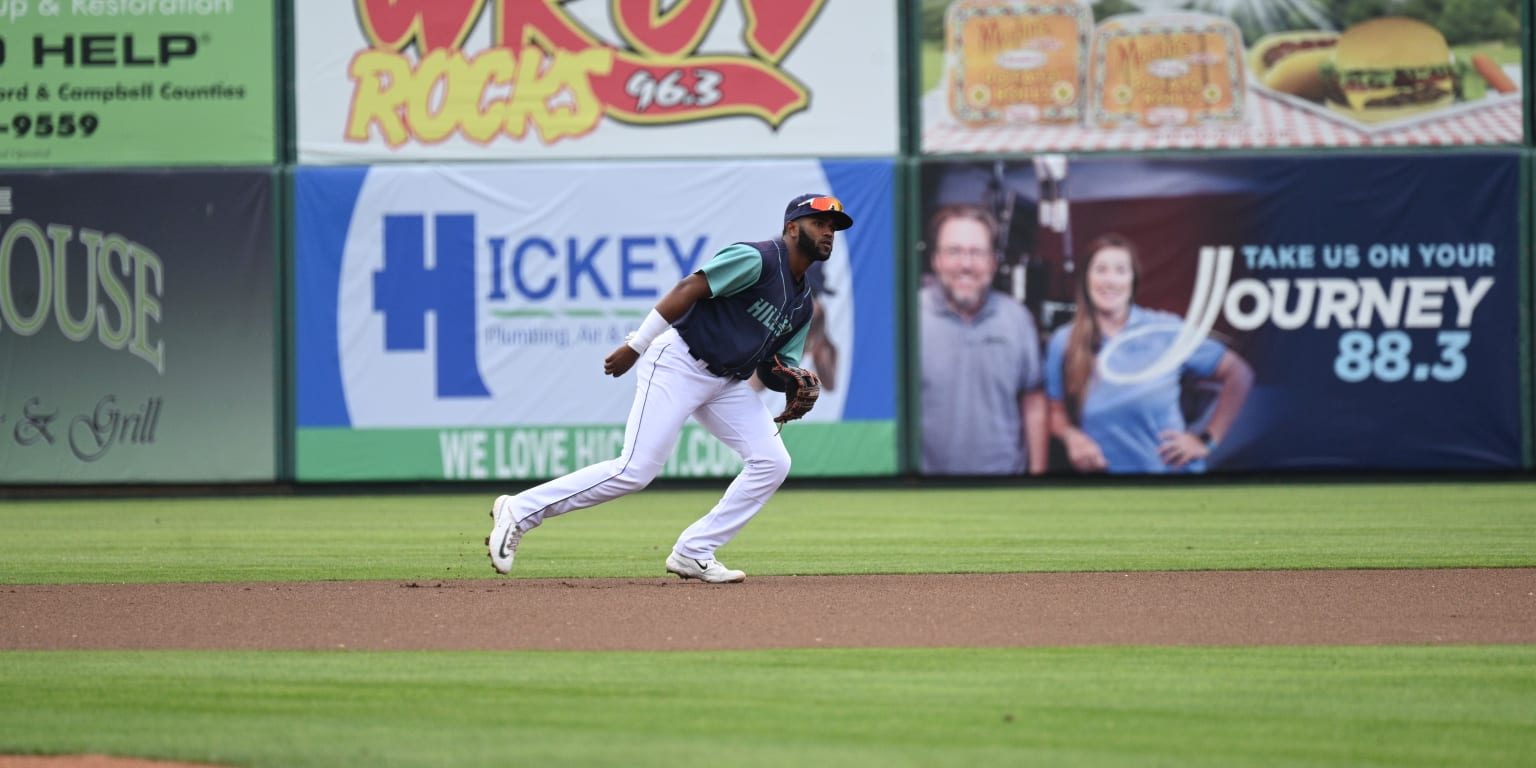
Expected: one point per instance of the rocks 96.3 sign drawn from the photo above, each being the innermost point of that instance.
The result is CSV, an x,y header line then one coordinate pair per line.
x,y
470,79
137,82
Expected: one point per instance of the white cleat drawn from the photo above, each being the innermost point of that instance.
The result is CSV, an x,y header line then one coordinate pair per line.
x,y
711,571
501,545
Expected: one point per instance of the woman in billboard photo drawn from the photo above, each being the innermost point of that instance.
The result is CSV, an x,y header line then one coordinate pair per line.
x,y
1116,386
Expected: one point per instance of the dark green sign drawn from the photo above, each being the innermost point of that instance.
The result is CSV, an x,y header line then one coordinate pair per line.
x,y
137,326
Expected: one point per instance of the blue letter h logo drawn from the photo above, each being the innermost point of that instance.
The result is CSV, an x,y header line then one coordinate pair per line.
x,y
406,290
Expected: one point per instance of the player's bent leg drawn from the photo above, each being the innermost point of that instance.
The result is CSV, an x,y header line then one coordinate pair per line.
x,y
666,392
739,420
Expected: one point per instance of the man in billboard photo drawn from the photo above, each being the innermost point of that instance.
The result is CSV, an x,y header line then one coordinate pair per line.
x,y
748,310
1130,419
983,406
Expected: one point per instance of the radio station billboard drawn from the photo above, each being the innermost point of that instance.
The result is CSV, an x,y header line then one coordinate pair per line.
x,y
386,80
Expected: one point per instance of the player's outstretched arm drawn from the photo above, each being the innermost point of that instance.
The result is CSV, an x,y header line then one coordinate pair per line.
x,y
676,303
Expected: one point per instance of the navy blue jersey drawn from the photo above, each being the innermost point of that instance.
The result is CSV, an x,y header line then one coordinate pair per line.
x,y
755,310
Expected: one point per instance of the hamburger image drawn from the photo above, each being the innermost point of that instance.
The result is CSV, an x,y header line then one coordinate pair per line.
x,y
1389,68
1292,62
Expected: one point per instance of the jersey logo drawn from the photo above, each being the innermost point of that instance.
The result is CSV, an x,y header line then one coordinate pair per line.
x,y
766,313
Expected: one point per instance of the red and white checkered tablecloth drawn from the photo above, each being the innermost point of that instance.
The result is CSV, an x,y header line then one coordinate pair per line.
x,y
1269,123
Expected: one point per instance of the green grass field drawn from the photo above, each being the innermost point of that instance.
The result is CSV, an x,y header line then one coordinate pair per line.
x,y
1106,706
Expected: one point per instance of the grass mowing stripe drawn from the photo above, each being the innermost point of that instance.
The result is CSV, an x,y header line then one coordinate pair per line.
x,y
799,532
1120,706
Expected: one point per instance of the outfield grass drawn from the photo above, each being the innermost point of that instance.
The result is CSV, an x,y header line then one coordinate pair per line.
x,y
799,532
1446,706
1108,706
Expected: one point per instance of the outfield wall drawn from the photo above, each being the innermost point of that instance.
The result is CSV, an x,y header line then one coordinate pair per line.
x,y
392,241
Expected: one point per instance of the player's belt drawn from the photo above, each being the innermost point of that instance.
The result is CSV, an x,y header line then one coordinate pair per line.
x,y
714,368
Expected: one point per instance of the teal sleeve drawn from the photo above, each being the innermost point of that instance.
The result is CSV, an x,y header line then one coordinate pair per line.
x,y
793,349
733,270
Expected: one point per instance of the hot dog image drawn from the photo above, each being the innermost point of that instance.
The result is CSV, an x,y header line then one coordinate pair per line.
x,y
1292,62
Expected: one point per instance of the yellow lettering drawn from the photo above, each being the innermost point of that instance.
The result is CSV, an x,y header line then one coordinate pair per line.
x,y
446,92
539,80
431,84
530,99
584,110
492,68
379,96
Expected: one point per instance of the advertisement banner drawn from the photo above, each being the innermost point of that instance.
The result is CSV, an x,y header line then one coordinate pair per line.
x,y
1243,313
1076,75
452,320
138,82
137,327
383,80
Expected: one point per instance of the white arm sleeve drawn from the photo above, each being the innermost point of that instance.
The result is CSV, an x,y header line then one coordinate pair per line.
x,y
654,325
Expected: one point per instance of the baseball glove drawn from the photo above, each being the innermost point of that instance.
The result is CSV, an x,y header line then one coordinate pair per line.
x,y
800,388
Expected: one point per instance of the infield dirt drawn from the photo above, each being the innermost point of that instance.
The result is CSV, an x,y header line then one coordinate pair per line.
x,y
1360,607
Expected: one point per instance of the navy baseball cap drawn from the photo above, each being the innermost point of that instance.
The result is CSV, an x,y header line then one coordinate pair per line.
x,y
812,204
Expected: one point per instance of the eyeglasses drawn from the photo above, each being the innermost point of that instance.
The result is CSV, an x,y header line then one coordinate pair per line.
x,y
962,252
824,204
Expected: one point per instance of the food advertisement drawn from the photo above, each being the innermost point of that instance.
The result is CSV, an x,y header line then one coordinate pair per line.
x,y
1248,312
1073,75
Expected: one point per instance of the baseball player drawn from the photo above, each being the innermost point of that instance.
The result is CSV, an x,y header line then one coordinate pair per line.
x,y
746,310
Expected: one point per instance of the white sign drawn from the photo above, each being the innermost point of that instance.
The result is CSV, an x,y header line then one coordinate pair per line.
x,y
479,294
381,80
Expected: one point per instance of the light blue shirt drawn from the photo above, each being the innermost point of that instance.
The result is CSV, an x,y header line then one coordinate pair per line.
x,y
1125,419
974,372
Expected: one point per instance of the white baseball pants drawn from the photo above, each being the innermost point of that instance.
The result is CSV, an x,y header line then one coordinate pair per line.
x,y
671,386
